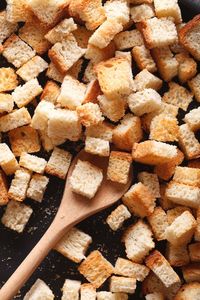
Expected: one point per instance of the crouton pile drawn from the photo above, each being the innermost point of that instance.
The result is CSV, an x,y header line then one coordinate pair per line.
x,y
93,71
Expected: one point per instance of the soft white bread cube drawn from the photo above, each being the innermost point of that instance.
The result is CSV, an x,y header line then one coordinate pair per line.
x,y
32,163
119,166
39,290
102,131
7,27
8,79
142,12
176,212
117,217
159,223
19,185
177,256
118,10
87,292
188,176
187,67
96,269
168,8
188,142
89,114
59,163
138,241
122,284
53,73
128,39
191,272
8,161
6,103
32,68
194,85
97,146
72,93
144,101
37,187
16,51
164,128
128,132
50,92
71,290
16,216
143,58
112,109
15,119
74,245
139,200
146,80
188,291
64,124
24,94
151,181
127,268
153,152
86,179
41,115
193,119
162,269
17,11
3,189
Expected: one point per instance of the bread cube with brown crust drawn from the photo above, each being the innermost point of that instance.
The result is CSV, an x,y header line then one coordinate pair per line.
x,y
146,80
194,252
97,146
117,217
194,85
7,27
8,79
191,272
150,180
119,166
32,162
164,202
18,11
188,142
188,291
177,256
102,131
50,92
37,187
4,199
187,67
70,289
122,284
164,128
142,12
15,119
19,185
175,212
89,114
189,176
97,55
54,73
143,58
128,39
159,223
192,119
112,109
87,292
197,231
6,103
8,161
168,8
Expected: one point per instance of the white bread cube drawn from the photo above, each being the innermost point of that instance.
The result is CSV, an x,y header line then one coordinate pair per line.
x,y
71,290
16,216
153,152
15,119
47,143
168,8
188,176
32,163
112,109
142,12
159,223
193,119
24,94
97,146
3,189
140,200
117,217
188,142
32,68
7,27
118,10
162,269
143,58
96,269
126,54
50,92
6,103
72,93
89,114
176,212
119,166
146,80
127,268
164,128
144,101
151,181
122,285
59,163
154,296
88,292
138,241
16,51
41,115
177,256
8,161
194,252
37,187
194,85
102,131
86,179
53,73
105,296
187,67
74,245
19,185
17,11
191,272
39,289
189,291
128,39
8,79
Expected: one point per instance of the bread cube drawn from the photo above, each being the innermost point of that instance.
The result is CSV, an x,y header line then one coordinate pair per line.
x,y
188,176
24,139
88,292
195,163
193,119
127,268
8,79
37,187
8,161
187,67
96,55
150,180
89,74
153,152
86,179
16,216
47,143
92,92
41,115
177,256
194,252
164,202
71,289
143,58
159,223
54,73
19,185
105,296
189,291
126,54
17,11
135,2
154,296
115,78
197,231
194,85
117,217
16,51
168,8
138,241
128,39
3,189
15,119
97,146
112,109
152,284
118,10
102,131
6,103
146,80
7,27
142,12
32,163
122,285
39,289
119,166
89,114
176,212
191,272
128,132
96,269
188,142
50,92
164,128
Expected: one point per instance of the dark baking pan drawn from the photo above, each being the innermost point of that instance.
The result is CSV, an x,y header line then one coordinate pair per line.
x,y
55,268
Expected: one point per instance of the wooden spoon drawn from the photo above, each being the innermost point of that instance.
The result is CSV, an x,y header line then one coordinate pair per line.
x,y
73,209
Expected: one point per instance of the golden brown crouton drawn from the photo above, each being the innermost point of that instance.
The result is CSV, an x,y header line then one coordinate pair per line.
x,y
89,114
8,79
185,175
158,222
164,128
3,189
119,166
188,142
194,252
191,272
177,255
175,212
194,85
193,119
188,291
50,92
187,67
143,58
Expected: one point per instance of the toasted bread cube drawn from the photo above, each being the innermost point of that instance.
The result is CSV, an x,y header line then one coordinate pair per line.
x,y
178,96
102,131
195,163
164,128
8,79
16,51
17,11
127,268
74,245
89,74
144,101
117,217
191,272
19,185
105,296
3,189
119,166
97,146
50,92
194,252
24,139
153,152
86,179
138,241
193,119
8,161
151,181
194,85
189,176
197,231
168,8
142,12
65,53
37,187
90,114
176,212
181,230
7,27
118,10
39,289
112,109
188,291
126,54
143,58
96,55
53,73
115,78
32,162
122,285
15,119
71,289
177,256
164,202
154,296
96,269
24,94
188,142
187,67
72,93
6,103
88,292
136,2
146,80
92,92
41,115
159,223
128,39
